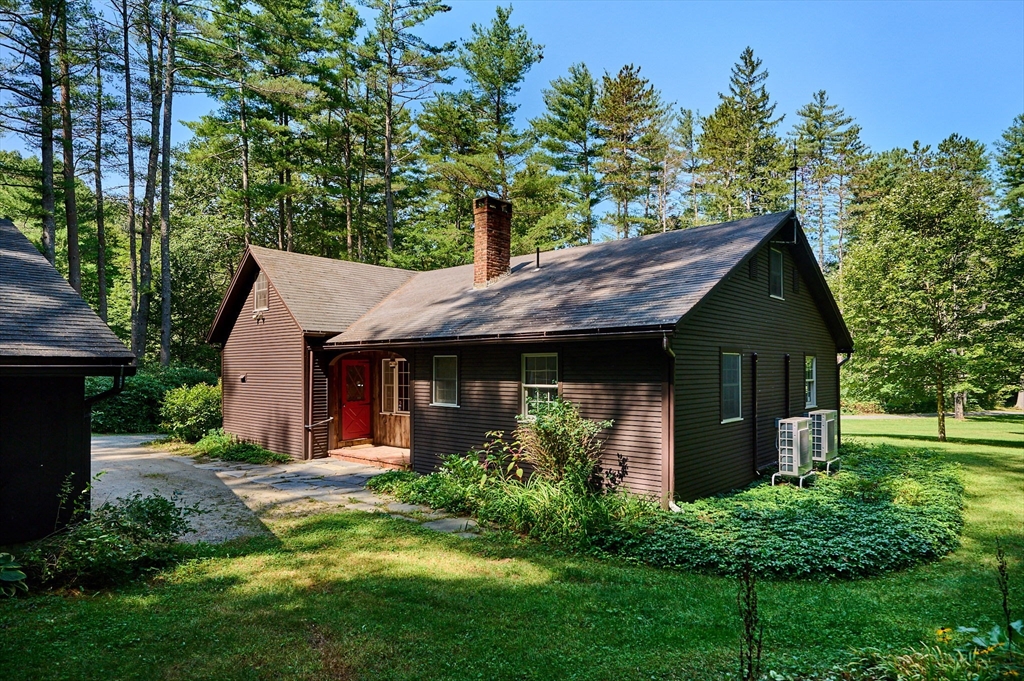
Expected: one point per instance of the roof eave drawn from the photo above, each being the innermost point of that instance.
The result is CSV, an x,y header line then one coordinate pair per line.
x,y
541,336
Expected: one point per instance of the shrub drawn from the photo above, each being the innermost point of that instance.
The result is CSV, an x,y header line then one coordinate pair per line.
x,y
115,543
560,444
136,409
189,412
217,444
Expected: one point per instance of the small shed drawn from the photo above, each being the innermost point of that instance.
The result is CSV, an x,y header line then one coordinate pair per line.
x,y
50,340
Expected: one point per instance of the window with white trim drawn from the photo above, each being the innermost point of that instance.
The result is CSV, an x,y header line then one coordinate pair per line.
x,y
540,379
810,381
776,273
394,393
732,386
261,293
445,386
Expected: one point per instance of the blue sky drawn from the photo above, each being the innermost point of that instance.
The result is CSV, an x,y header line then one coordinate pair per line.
x,y
905,70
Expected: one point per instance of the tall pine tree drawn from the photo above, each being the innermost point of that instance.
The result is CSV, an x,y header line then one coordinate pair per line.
x,y
569,137
743,157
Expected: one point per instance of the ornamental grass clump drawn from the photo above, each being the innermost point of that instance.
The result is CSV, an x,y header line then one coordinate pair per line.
x,y
545,482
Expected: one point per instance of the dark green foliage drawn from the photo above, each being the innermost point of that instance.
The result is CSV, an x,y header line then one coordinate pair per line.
x,y
217,444
560,444
189,412
137,408
12,579
112,545
888,509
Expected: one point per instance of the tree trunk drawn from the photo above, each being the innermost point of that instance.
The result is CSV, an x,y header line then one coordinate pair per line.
x,y
46,136
67,141
146,250
1020,394
246,198
171,23
940,399
101,232
129,125
959,406
389,199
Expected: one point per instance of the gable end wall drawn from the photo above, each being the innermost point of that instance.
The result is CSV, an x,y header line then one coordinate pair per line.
x,y
268,407
713,457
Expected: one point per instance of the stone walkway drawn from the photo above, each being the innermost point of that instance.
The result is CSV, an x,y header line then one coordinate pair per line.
x,y
238,495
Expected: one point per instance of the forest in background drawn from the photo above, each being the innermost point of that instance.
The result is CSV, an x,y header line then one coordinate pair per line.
x,y
338,131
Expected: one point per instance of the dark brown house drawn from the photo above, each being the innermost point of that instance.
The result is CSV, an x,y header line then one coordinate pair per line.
x,y
694,342
50,340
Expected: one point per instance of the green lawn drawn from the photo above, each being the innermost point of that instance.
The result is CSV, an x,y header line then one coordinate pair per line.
x,y
350,596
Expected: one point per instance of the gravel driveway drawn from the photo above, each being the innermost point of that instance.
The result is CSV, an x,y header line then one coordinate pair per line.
x,y
237,495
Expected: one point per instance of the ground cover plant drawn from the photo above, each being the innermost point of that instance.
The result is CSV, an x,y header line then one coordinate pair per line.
x,y
887,509
217,444
110,545
359,596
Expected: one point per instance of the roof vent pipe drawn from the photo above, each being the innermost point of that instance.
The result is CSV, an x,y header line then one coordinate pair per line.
x,y
538,257
492,239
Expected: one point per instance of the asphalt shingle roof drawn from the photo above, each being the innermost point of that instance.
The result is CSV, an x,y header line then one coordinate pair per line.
x,y
41,316
325,295
650,281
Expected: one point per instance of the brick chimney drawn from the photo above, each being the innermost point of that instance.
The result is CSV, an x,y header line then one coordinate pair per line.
x,y
492,240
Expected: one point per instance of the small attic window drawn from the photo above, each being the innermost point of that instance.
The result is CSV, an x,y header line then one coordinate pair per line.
x,y
260,293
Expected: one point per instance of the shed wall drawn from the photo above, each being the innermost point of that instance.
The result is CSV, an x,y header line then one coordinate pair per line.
x,y
618,380
44,438
268,407
711,456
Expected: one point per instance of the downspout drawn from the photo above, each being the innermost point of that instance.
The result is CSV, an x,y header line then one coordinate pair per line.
x,y
114,390
753,415
787,386
669,424
839,420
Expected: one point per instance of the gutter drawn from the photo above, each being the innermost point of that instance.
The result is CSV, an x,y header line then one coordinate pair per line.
x,y
645,332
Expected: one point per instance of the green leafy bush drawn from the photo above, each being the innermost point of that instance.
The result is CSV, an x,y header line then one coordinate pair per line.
x,y
217,444
113,544
888,509
136,409
189,412
12,579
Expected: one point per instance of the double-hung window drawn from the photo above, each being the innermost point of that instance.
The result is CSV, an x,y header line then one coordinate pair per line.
x,y
810,381
394,394
261,293
732,392
540,379
445,386
776,274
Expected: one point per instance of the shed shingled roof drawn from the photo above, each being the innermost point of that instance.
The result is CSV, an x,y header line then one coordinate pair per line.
x,y
323,295
42,319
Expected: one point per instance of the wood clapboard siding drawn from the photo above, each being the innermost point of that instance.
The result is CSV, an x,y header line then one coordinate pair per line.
x,y
711,456
44,438
269,407
617,380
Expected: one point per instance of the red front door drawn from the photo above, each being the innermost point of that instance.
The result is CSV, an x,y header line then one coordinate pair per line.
x,y
355,399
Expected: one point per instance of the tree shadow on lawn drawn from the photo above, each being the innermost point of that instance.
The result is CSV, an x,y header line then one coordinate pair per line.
x,y
1011,444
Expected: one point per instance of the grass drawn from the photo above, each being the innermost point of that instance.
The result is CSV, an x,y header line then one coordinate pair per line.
x,y
355,596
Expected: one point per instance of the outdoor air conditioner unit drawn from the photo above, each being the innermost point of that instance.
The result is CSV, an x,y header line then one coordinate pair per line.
x,y
823,435
794,443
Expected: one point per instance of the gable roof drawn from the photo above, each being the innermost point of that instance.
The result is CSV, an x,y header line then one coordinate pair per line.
x,y
42,319
323,295
645,283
